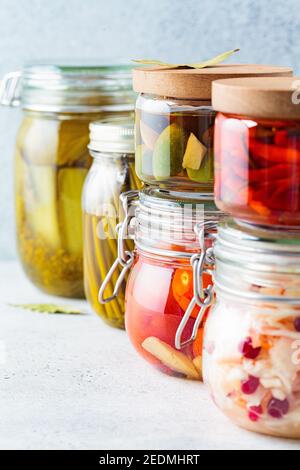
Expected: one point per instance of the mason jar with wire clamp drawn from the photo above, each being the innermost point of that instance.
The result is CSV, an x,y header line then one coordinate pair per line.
x,y
52,160
160,288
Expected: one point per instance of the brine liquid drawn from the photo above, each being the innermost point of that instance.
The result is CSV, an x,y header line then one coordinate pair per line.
x,y
175,150
157,297
52,162
258,170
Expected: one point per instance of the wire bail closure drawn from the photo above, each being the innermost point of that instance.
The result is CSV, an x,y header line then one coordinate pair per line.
x,y
125,258
10,89
202,298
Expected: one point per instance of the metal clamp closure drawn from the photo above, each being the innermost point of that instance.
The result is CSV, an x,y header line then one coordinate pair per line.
x,y
203,298
125,257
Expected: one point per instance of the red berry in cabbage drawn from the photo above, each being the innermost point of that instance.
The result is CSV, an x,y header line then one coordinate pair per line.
x,y
278,408
250,385
255,412
297,324
248,351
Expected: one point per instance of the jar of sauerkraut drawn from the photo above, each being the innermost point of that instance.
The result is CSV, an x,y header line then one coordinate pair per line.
x,y
251,356
175,123
52,161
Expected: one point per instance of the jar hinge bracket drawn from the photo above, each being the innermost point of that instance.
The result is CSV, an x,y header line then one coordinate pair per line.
x,y
125,258
202,298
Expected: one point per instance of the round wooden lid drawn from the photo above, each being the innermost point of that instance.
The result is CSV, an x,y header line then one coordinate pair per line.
x,y
196,83
264,97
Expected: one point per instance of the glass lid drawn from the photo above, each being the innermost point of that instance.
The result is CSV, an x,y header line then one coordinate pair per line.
x,y
85,86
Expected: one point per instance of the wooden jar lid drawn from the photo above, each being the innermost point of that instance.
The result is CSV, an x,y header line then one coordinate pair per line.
x,y
264,97
196,83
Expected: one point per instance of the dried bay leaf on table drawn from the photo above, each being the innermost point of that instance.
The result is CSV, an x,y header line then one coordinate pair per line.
x,y
49,308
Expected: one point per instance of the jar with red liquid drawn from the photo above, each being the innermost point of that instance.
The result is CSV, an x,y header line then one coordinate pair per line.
x,y
160,289
257,150
251,354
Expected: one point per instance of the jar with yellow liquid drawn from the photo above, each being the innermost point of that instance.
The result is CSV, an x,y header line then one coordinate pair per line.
x,y
52,161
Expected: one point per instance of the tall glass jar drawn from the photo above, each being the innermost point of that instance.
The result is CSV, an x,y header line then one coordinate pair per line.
x,y
159,292
52,160
257,150
175,123
112,173
251,358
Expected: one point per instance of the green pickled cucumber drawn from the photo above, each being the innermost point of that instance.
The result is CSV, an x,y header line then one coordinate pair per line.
x,y
73,142
168,152
41,203
52,142
70,183
38,141
205,174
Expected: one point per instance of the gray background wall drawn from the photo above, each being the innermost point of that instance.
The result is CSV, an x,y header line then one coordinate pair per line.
x,y
267,31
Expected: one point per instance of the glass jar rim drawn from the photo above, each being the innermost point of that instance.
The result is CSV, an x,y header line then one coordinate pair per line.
x,y
167,104
242,239
250,253
165,221
85,86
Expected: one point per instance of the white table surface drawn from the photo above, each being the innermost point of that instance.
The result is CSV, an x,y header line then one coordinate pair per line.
x,y
71,382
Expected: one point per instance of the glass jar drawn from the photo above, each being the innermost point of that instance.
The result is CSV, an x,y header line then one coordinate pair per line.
x,y
159,292
52,160
112,172
251,358
257,151
175,123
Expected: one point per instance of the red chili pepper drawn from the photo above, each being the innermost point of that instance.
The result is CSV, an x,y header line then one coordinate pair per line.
x,y
281,138
273,153
275,172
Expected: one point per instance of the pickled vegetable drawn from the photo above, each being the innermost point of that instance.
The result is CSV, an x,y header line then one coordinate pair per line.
x,y
168,152
252,362
258,170
158,295
177,146
51,165
106,181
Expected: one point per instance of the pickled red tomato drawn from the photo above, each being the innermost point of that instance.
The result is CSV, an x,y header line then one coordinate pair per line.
x,y
183,289
258,169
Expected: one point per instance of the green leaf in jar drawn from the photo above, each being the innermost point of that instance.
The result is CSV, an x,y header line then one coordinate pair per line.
x,y
196,65
49,308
